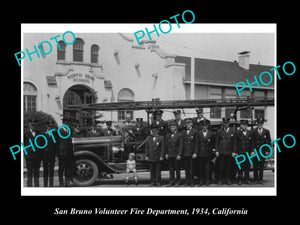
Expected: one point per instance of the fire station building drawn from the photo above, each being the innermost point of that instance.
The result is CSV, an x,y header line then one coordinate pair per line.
x,y
111,67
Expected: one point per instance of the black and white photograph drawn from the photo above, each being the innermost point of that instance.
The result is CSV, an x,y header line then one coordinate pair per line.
x,y
176,114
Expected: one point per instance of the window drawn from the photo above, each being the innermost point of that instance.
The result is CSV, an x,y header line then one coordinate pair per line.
x,y
246,113
61,53
215,112
78,50
30,96
94,53
259,113
122,115
125,95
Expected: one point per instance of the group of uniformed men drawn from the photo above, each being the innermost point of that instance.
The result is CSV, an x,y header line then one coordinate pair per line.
x,y
191,142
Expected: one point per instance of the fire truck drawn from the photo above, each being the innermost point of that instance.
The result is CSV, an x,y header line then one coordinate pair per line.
x,y
96,156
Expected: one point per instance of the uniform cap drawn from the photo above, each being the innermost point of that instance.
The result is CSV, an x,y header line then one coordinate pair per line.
x,y
187,120
200,110
204,123
244,122
260,121
176,112
139,120
225,120
109,122
158,112
173,123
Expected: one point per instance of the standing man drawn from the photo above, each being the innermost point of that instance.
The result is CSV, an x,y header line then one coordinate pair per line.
x,y
66,159
109,131
154,153
179,121
173,146
198,119
34,156
243,145
205,151
260,136
94,132
160,123
49,154
189,151
225,149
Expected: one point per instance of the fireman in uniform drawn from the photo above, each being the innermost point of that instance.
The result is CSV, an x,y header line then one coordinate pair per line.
x,y
225,150
49,155
154,153
189,151
160,123
179,121
109,131
173,146
243,145
66,158
260,136
206,147
33,157
197,120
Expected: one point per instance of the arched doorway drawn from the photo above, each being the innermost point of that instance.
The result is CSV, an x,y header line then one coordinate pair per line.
x,y
77,95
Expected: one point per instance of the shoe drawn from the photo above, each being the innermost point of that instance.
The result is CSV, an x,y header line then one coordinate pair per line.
x,y
151,184
158,184
201,183
177,184
247,182
239,182
207,183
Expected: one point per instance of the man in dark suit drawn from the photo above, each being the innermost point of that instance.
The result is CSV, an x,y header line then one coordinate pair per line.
x,y
109,131
197,120
205,151
179,121
243,145
66,159
260,136
154,153
225,149
94,132
173,146
34,155
49,154
189,151
160,123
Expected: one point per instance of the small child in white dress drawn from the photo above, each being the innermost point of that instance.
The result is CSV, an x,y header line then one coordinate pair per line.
x,y
130,167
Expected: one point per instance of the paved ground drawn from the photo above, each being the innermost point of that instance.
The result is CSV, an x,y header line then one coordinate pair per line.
x,y
118,180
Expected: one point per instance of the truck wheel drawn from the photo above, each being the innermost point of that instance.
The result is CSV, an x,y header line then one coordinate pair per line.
x,y
86,172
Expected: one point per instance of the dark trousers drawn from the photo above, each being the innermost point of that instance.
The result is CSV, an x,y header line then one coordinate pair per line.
x,y
225,166
66,164
245,168
189,170
48,166
174,166
155,172
33,170
204,164
258,168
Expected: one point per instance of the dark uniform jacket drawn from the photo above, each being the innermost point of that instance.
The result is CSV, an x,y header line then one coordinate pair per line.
x,y
181,125
243,141
95,133
109,132
140,134
163,127
154,148
260,139
52,147
225,141
196,122
206,144
36,153
173,144
65,147
190,143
